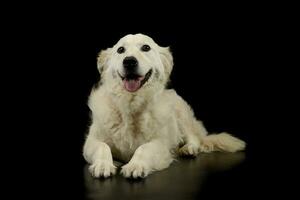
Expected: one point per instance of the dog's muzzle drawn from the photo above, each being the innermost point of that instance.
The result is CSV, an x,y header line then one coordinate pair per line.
x,y
132,81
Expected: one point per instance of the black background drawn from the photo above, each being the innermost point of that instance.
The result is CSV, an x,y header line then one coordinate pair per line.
x,y
224,68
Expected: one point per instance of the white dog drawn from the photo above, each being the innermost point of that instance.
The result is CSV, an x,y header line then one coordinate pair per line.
x,y
136,120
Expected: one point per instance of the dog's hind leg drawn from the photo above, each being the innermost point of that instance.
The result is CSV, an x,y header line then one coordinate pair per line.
x,y
192,131
197,140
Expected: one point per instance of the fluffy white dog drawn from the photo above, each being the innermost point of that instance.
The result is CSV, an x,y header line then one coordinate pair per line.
x,y
136,120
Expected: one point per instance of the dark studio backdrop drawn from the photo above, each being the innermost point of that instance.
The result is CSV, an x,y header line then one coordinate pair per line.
x,y
220,70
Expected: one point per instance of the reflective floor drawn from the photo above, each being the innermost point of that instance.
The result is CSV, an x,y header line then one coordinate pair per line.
x,y
187,178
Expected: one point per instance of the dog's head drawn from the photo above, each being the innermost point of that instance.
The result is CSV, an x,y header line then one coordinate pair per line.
x,y
135,62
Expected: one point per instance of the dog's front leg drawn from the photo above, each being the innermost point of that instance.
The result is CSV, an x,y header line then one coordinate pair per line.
x,y
149,157
98,154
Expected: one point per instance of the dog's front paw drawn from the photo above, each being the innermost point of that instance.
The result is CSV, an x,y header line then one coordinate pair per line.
x,y
102,168
189,150
136,169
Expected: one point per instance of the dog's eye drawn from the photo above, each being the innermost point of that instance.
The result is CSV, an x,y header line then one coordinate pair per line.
x,y
121,50
145,48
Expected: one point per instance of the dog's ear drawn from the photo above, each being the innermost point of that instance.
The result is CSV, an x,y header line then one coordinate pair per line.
x,y
167,60
102,60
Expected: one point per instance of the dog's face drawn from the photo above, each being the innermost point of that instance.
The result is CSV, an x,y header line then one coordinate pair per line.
x,y
135,62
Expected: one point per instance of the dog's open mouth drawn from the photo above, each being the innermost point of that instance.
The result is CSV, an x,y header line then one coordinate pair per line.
x,y
133,82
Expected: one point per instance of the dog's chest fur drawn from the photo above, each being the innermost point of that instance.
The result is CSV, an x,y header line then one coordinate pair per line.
x,y
128,127
126,122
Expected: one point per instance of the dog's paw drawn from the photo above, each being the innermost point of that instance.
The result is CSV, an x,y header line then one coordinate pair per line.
x,y
102,168
189,150
135,170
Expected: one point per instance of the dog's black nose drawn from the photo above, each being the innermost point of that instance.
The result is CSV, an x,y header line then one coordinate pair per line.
x,y
130,63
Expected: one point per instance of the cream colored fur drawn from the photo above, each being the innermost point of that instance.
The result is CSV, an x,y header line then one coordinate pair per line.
x,y
146,128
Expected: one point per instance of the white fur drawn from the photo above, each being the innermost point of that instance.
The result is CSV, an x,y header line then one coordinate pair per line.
x,y
146,128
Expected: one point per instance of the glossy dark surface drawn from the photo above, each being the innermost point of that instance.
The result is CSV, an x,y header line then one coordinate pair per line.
x,y
184,179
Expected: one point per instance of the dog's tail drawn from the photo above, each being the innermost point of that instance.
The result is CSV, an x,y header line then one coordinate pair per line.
x,y
221,142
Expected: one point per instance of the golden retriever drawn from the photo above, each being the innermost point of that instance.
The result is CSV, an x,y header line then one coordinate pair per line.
x,y
136,119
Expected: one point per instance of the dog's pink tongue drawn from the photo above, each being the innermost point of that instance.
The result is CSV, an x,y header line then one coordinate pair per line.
x,y
132,85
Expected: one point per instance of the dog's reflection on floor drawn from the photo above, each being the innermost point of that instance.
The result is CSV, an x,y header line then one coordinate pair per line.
x,y
182,179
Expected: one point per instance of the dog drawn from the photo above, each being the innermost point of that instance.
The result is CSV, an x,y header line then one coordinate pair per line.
x,y
136,120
